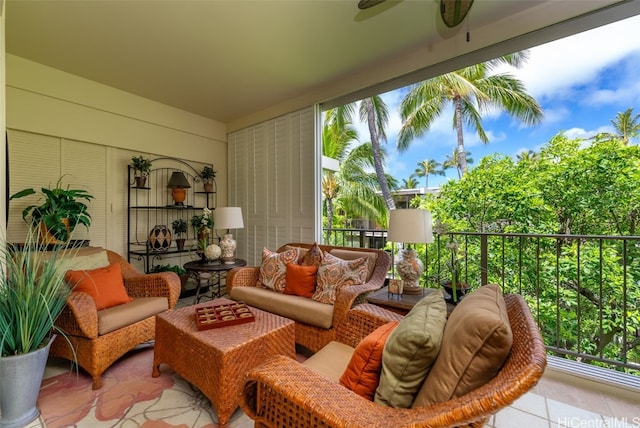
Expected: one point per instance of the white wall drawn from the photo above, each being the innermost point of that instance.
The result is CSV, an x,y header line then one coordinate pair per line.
x,y
85,128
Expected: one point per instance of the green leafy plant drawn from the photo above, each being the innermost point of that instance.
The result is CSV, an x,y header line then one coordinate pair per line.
x,y
207,174
179,270
141,165
179,227
61,211
33,293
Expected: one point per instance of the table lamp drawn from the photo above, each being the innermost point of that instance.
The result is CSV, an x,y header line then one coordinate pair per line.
x,y
228,218
178,183
411,226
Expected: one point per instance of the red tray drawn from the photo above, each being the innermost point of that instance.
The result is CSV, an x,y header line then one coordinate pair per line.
x,y
222,315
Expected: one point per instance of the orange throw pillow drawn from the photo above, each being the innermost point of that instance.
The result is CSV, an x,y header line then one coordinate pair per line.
x,y
104,285
300,280
363,372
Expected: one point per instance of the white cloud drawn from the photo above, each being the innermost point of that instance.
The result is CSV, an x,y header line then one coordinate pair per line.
x,y
585,134
554,67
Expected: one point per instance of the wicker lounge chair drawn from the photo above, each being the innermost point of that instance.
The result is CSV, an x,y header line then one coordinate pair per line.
x,y
94,352
285,393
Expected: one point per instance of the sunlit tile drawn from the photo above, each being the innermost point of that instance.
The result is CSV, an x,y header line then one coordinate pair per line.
x,y
510,417
532,403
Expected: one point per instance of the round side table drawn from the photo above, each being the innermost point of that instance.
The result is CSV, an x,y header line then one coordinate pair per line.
x,y
210,273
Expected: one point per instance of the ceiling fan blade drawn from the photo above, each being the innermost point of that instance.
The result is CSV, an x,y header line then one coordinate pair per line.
x,y
366,4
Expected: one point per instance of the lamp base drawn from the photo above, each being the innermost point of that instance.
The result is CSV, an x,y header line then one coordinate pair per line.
x,y
410,268
228,247
412,290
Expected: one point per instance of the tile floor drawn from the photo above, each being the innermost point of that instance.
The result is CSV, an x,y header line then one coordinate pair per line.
x,y
559,400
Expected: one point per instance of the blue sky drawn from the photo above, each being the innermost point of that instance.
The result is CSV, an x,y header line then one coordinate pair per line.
x,y
581,83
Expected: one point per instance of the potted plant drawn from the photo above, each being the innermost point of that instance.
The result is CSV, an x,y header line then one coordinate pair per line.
x,y
208,174
179,270
141,168
455,287
202,224
33,293
57,217
179,227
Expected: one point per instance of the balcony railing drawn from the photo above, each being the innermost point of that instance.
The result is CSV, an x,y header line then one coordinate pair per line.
x,y
583,290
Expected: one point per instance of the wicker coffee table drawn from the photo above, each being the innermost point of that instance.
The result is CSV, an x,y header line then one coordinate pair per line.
x,y
215,361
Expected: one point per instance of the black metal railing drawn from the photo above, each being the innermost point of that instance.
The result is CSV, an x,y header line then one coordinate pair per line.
x,y
583,290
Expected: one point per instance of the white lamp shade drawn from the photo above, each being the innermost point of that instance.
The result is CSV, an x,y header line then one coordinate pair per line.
x,y
412,226
228,218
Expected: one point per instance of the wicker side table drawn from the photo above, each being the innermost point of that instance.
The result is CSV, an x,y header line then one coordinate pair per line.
x,y
215,361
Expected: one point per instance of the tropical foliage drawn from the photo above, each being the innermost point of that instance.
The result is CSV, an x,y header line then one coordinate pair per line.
x,y
570,188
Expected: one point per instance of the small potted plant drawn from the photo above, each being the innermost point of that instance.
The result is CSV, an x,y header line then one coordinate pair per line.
x,y
202,224
179,227
455,287
141,168
57,217
208,174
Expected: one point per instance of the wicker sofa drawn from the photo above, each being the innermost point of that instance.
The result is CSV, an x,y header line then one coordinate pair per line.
x,y
284,392
243,284
131,323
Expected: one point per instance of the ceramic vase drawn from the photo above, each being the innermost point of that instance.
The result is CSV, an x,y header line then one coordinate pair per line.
x,y
159,238
228,247
410,268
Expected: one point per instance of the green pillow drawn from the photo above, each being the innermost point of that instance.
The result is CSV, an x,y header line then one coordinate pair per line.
x,y
410,351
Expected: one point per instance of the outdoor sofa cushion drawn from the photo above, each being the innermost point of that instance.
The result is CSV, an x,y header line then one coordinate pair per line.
x,y
477,340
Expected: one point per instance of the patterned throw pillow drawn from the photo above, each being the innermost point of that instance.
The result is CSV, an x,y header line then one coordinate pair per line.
x,y
334,273
313,257
273,271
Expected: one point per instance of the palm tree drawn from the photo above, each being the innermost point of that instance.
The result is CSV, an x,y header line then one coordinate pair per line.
x,y
353,188
453,161
626,126
410,183
359,195
472,91
337,134
428,167
527,156
374,111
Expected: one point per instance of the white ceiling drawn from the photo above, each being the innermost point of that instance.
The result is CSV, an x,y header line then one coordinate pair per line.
x,y
226,59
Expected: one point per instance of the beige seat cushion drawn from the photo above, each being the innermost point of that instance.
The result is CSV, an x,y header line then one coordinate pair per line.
x,y
410,352
331,361
119,316
297,308
477,340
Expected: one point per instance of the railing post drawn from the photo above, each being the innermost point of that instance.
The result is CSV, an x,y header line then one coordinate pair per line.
x,y
484,261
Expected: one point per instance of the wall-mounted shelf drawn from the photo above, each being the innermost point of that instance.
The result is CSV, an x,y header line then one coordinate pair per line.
x,y
153,205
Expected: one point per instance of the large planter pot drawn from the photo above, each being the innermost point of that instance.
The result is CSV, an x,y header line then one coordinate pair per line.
x,y
20,379
46,238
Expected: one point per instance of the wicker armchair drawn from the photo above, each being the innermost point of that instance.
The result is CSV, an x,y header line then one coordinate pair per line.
x,y
312,337
284,393
95,353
